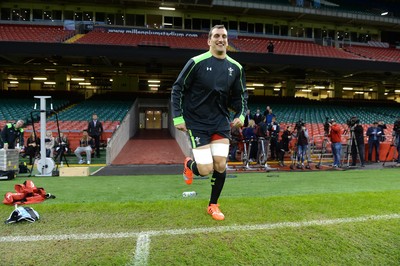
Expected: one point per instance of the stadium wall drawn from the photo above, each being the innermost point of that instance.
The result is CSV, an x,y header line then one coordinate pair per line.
x,y
124,132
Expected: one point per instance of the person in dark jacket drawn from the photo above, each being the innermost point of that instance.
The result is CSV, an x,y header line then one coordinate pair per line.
x,y
374,134
12,135
95,129
284,144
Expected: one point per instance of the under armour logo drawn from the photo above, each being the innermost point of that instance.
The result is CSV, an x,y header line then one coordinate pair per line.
x,y
197,139
230,71
209,68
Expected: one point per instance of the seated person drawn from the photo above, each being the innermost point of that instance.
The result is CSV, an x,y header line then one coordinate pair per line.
x,y
32,147
85,145
49,143
61,145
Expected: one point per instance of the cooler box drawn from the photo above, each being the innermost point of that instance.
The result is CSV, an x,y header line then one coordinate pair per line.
x,y
9,160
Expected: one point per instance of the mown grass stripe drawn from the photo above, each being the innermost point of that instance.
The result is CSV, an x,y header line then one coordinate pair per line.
x,y
216,229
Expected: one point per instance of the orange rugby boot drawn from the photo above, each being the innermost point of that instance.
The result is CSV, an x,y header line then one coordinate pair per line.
x,y
187,172
215,212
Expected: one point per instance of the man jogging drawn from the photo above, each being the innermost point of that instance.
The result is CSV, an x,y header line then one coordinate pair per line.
x,y
208,86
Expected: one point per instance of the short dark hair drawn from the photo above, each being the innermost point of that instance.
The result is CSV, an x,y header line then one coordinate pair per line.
x,y
215,27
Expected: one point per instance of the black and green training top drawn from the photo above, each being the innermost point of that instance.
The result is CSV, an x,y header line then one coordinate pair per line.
x,y
206,89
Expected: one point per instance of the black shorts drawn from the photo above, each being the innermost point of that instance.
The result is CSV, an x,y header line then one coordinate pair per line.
x,y
200,138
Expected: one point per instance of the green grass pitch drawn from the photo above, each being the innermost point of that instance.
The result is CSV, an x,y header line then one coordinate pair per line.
x,y
285,218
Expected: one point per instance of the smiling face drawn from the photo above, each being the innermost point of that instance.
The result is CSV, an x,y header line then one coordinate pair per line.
x,y
218,41
19,124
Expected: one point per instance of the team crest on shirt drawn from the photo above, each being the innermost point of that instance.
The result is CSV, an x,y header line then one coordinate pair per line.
x,y
197,139
209,68
230,71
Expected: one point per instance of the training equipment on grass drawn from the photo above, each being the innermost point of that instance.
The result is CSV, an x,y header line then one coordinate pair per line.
x,y
26,193
22,214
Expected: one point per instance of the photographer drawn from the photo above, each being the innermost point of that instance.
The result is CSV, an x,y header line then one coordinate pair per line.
x,y
274,129
335,135
357,145
249,134
382,126
283,145
302,143
396,138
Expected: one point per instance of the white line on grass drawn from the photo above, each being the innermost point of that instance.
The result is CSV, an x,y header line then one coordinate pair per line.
x,y
142,250
95,172
143,238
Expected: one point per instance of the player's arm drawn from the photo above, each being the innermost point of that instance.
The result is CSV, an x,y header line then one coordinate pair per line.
x,y
181,84
239,98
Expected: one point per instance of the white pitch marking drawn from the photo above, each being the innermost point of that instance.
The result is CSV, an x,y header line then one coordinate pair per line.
x,y
142,250
143,238
95,172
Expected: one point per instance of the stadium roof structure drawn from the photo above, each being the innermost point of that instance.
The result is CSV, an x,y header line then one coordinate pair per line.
x,y
105,62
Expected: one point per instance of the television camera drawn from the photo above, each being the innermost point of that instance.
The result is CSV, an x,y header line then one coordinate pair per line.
x,y
299,125
352,122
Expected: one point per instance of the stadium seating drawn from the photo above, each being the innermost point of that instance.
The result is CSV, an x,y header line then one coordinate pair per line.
x,y
40,33
305,48
376,53
113,38
34,33
72,119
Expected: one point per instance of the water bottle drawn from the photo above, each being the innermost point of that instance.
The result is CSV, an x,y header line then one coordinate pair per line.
x,y
189,194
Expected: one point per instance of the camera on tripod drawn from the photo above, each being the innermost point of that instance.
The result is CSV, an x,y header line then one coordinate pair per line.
x,y
353,121
299,125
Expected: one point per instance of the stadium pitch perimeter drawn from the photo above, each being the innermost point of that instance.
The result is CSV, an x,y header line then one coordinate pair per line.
x,y
143,239
172,169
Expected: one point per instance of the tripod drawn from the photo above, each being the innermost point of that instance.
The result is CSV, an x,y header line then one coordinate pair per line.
x,y
353,141
247,153
323,149
263,154
394,143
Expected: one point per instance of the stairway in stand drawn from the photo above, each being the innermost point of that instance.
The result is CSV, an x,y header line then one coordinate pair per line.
x,y
150,146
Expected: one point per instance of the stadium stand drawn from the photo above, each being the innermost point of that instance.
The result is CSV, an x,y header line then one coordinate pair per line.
x,y
376,53
306,48
113,38
39,33
34,33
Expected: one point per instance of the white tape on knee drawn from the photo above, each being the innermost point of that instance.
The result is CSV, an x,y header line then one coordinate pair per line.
x,y
202,156
220,149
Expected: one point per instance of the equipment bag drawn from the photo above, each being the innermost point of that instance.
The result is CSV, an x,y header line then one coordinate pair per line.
x,y
23,214
26,193
7,175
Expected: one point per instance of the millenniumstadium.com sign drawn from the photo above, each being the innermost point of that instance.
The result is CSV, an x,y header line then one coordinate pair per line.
x,y
155,32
